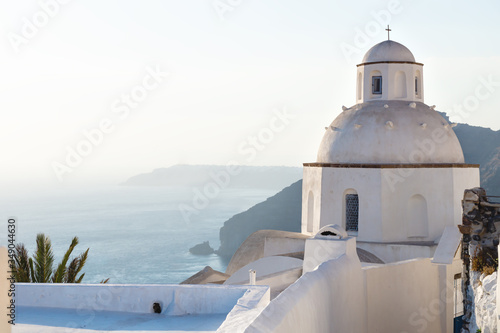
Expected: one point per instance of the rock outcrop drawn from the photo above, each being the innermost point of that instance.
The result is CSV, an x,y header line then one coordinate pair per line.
x,y
202,249
207,275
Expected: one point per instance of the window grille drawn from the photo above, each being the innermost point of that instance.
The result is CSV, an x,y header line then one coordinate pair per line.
x,y
351,212
377,85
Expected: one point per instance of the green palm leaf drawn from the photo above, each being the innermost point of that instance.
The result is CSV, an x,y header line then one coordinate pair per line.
x,y
61,271
75,267
21,264
43,259
38,268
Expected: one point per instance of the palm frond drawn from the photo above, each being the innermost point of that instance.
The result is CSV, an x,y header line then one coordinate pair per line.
x,y
39,267
58,276
43,259
32,270
79,280
71,271
82,259
21,264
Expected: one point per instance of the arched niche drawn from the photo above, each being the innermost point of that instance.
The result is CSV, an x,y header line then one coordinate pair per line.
x,y
310,212
417,217
400,85
359,86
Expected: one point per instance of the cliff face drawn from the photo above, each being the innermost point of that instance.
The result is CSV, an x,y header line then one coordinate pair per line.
x,y
279,212
482,146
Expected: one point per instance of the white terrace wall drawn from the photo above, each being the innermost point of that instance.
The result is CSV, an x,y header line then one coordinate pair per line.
x,y
174,299
328,299
340,296
411,296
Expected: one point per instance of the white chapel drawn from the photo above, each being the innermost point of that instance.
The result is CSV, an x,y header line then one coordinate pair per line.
x,y
378,249
390,170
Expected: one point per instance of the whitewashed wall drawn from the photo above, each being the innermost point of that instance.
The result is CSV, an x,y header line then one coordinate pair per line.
x,y
384,196
390,86
328,299
340,296
389,253
411,296
328,186
442,189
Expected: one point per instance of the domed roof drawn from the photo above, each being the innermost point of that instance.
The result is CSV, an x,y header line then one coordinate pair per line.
x,y
401,133
388,51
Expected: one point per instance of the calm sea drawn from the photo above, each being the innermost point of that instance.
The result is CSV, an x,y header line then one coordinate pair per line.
x,y
135,234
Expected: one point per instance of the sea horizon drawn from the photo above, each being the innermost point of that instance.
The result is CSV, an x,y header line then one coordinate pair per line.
x,y
135,234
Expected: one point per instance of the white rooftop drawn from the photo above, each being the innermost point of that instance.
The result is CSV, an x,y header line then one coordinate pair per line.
x,y
388,50
57,320
390,132
79,308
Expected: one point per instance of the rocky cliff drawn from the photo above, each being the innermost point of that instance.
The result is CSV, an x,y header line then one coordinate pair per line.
x,y
279,212
482,146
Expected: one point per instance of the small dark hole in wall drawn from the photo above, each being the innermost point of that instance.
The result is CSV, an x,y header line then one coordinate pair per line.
x,y
328,233
157,307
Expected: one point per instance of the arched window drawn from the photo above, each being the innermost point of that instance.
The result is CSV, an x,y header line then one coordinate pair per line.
x,y
351,210
400,84
377,85
376,78
416,215
310,212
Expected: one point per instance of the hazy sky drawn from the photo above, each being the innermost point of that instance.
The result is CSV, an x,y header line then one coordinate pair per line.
x,y
249,81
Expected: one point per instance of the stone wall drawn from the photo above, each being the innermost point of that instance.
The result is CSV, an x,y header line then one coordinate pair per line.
x,y
481,230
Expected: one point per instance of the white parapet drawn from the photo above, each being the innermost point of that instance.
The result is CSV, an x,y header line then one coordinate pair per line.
x,y
57,308
447,246
319,250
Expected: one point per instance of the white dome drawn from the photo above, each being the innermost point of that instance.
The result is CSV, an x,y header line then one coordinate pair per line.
x,y
388,51
370,133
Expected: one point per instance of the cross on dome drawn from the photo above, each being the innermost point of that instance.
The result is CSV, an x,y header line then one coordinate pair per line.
x,y
388,31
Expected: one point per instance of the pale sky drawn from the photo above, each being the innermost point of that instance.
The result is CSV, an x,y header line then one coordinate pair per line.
x,y
232,65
